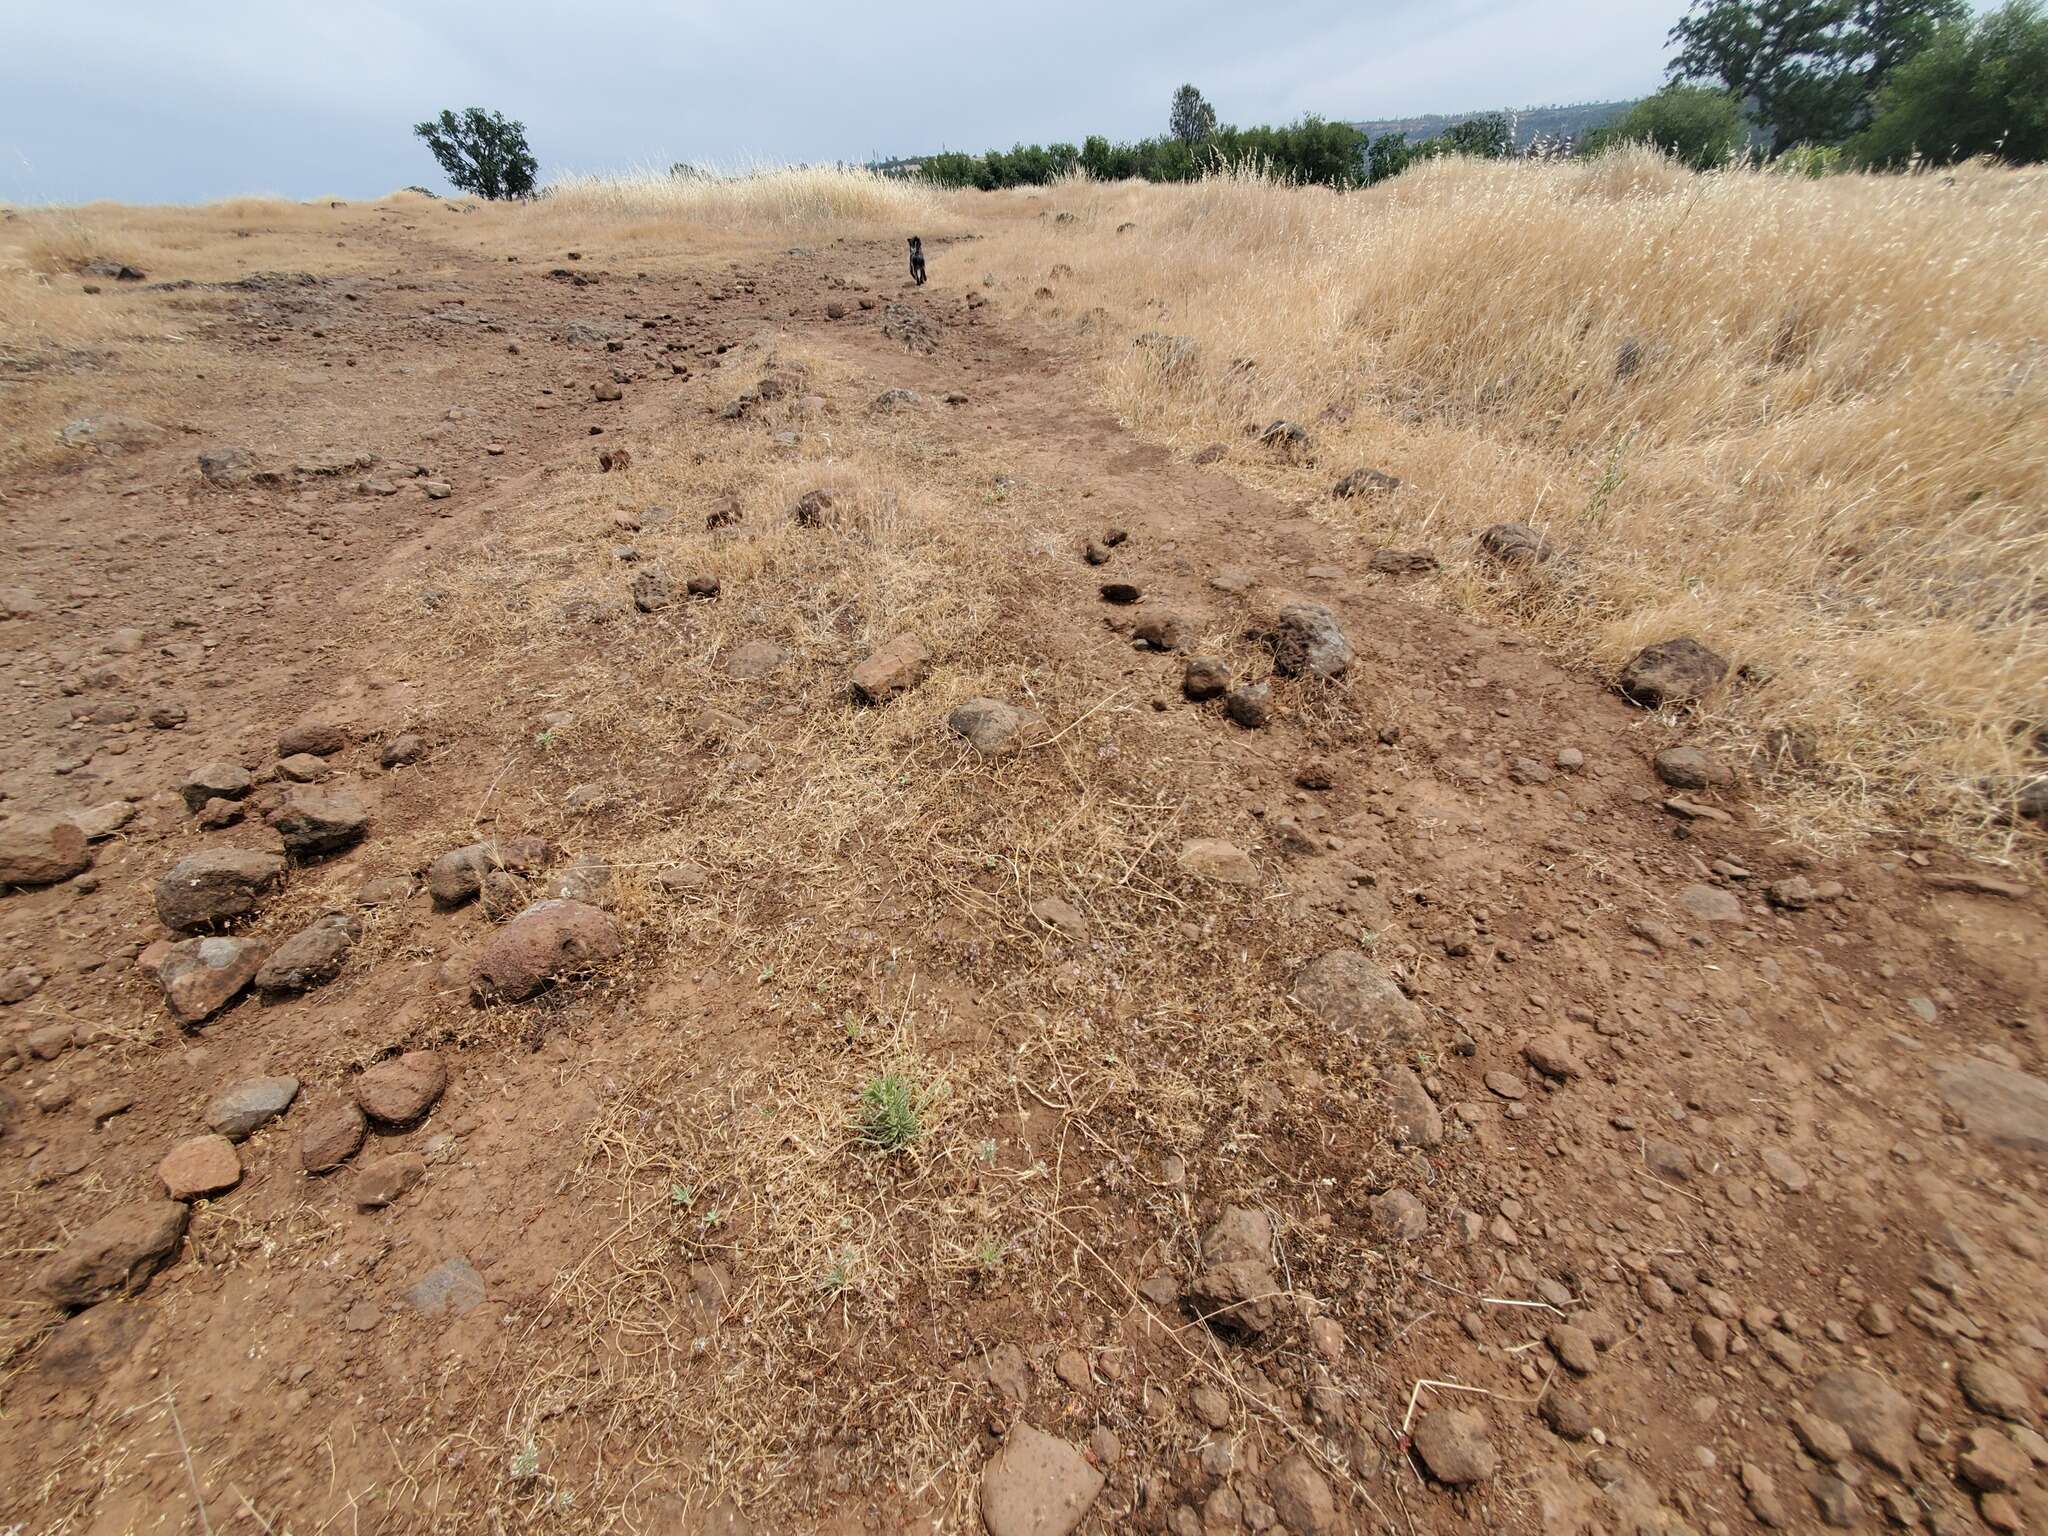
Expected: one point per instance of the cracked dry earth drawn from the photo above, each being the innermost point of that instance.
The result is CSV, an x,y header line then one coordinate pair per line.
x,y
1398,1118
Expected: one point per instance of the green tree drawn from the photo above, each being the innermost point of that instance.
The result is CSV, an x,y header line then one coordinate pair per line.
x,y
1694,124
1807,69
1388,157
1487,136
1976,89
1192,118
482,153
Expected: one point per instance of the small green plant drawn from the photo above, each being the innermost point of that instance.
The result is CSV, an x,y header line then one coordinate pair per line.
x,y
838,1274
987,1151
682,1195
526,1464
889,1116
988,1255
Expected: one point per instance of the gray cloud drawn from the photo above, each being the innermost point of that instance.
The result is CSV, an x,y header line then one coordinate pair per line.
x,y
143,102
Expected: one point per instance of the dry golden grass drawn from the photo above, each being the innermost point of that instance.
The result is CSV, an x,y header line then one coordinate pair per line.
x,y
1801,420
778,197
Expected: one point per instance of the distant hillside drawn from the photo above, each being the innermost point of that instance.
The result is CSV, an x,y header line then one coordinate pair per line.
x,y
1574,121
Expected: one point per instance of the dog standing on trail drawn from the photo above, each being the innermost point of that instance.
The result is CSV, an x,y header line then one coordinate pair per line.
x,y
917,261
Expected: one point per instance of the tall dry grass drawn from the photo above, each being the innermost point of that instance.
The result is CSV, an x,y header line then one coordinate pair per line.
x,y
777,197
1799,419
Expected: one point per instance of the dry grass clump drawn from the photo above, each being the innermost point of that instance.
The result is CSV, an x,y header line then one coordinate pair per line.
x,y
1802,420
773,197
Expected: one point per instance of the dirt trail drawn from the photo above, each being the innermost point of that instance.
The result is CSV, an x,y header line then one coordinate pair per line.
x,y
1671,1160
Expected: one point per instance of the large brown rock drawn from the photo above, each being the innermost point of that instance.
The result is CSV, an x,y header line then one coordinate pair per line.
x,y
398,1091
1676,671
42,850
1347,991
202,976
215,887
894,668
115,1255
1879,1421
310,957
1036,1485
549,941
200,1167
458,875
312,824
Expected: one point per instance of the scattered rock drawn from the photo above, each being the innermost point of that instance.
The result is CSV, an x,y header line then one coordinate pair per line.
x,y
313,824
1204,678
1710,904
452,1286
228,468
1514,543
1036,1485
1553,1056
332,1134
1992,1389
310,957
897,666
588,880
1308,641
1365,482
1400,1217
199,1168
752,660
303,768
318,738
1566,1415
1161,632
1402,562
1991,1463
1347,991
1213,859
402,750
42,850
606,390
1574,1349
1121,592
991,727
398,1091
2001,1105
1879,1422
381,1182
20,984
1678,671
548,942
1690,768
240,1111
1453,1445
1416,1120
215,887
1301,1497
217,780
115,1255
1289,439
1250,705
653,589
1236,1292
458,875
1059,915
202,976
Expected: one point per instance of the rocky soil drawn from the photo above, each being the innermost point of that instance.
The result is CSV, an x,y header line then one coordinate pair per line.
x,y
1452,1107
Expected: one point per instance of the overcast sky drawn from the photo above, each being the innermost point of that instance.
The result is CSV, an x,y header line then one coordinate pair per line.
x,y
182,100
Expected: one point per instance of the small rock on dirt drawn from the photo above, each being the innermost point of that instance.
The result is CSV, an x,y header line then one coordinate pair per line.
x,y
114,1256
199,1168
548,942
311,957
314,824
652,590
1347,991
318,738
238,1112
1365,482
217,780
332,1134
1213,859
895,667
1308,642
1036,1485
1879,1421
458,875
215,887
1677,671
202,976
752,660
42,850
1250,706
228,468
1301,1497
1514,544
1553,1056
1991,1388
1235,1291
452,1286
1453,1444
1710,904
1690,768
385,1180
399,1091
1204,678
992,727
1161,632
1998,1104
1417,1122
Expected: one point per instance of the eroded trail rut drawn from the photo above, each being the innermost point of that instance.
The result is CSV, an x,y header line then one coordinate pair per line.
x,y
1369,1105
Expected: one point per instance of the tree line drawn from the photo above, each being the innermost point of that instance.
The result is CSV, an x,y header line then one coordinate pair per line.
x,y
1810,84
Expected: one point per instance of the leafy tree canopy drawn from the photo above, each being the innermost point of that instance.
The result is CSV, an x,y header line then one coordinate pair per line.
x,y
482,153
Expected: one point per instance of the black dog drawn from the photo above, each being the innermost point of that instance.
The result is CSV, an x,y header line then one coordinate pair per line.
x,y
917,261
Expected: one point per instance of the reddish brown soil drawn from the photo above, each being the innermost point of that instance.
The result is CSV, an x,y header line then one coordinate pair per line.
x,y
272,1377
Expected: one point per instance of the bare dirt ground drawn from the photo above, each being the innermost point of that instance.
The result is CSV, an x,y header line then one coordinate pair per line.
x,y
1627,1169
